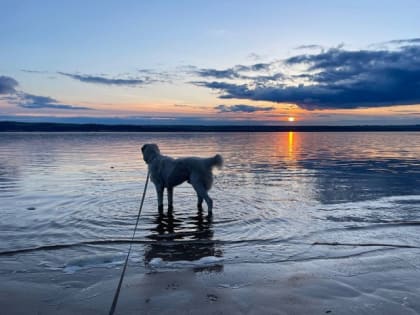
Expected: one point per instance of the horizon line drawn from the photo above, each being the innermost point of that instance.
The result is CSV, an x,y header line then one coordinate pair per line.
x,y
17,126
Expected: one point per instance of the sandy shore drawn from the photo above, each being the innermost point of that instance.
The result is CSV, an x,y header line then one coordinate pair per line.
x,y
372,284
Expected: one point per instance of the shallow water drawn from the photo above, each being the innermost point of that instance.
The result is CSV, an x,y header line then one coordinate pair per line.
x,y
277,195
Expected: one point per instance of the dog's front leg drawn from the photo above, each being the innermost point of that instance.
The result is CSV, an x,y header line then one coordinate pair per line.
x,y
159,191
170,198
199,203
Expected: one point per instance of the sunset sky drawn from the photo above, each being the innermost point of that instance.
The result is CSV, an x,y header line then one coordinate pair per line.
x,y
211,62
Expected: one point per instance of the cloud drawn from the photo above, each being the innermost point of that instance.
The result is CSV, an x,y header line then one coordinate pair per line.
x,y
189,106
33,71
333,79
236,72
218,74
228,88
26,100
99,79
255,67
242,108
312,46
255,56
153,75
7,85
404,41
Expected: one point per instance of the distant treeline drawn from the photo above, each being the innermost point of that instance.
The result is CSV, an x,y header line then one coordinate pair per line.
x,y
12,126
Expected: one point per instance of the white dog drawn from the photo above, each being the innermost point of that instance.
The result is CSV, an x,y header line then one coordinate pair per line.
x,y
167,172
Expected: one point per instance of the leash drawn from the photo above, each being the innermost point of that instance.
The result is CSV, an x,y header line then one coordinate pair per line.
x,y
117,292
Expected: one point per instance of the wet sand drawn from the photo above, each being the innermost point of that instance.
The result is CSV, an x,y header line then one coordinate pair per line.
x,y
381,283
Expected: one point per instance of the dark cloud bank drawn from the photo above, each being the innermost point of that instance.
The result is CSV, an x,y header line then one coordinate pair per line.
x,y
333,79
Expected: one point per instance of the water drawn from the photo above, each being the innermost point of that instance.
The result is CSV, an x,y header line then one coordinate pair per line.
x,y
277,195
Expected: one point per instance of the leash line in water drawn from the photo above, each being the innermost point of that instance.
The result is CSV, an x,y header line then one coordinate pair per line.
x,y
117,292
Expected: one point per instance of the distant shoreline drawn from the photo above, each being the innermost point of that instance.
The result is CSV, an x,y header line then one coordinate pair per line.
x,y
12,126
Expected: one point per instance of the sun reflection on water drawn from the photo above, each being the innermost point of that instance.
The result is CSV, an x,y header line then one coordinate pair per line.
x,y
291,143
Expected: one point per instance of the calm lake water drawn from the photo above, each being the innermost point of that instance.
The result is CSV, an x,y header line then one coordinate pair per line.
x,y
277,195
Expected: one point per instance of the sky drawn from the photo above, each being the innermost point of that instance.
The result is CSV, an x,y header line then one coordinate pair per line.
x,y
211,62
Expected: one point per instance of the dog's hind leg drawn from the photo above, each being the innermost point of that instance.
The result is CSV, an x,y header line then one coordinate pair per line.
x,y
202,194
170,198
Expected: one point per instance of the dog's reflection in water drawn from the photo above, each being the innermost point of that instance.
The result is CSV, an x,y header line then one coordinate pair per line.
x,y
177,239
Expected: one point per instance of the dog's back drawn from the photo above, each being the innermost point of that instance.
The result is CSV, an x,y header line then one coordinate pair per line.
x,y
196,163
198,169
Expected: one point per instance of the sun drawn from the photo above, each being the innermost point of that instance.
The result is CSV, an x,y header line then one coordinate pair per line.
x,y
291,119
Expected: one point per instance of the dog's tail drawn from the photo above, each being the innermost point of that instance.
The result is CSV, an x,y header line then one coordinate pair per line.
x,y
216,160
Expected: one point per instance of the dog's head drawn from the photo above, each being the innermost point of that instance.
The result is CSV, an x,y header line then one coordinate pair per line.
x,y
150,151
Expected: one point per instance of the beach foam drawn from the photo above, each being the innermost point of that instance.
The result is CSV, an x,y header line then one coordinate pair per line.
x,y
94,261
